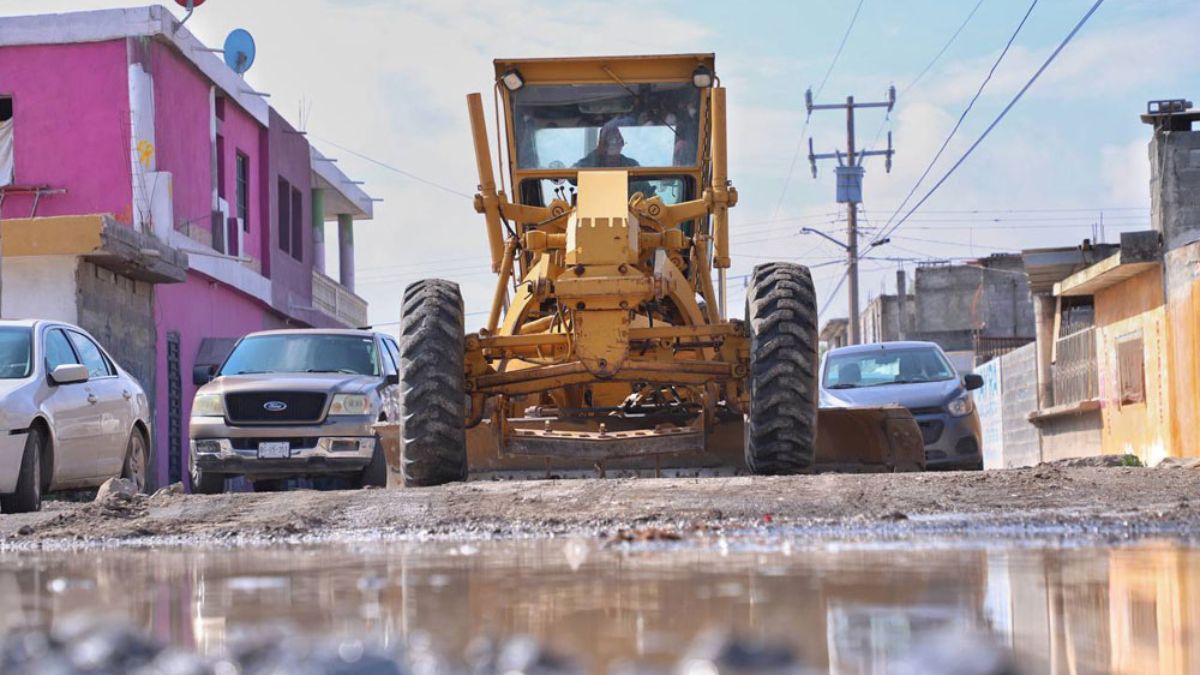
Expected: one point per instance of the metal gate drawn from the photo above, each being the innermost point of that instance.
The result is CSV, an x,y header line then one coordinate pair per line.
x,y
174,411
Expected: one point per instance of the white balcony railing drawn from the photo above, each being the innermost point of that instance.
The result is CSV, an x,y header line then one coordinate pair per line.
x,y
337,301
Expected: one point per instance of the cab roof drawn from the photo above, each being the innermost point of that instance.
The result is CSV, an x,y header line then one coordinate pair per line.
x,y
602,69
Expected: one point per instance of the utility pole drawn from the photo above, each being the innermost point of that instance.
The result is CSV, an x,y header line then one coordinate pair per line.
x,y
849,186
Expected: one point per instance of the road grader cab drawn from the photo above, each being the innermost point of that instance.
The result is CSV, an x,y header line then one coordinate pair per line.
x,y
607,345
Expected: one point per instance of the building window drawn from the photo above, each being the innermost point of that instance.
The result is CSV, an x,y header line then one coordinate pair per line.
x,y
6,140
221,166
1131,368
243,190
285,216
297,225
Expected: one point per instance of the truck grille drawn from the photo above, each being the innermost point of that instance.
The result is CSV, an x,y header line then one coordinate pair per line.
x,y
253,408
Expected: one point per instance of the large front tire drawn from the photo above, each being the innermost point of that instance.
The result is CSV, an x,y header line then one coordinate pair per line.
x,y
28,495
781,424
432,385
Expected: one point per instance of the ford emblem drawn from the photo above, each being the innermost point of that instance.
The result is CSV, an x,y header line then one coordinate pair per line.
x,y
275,406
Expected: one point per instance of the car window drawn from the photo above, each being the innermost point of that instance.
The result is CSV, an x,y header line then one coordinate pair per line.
x,y
16,353
394,350
389,359
58,350
889,366
304,353
91,355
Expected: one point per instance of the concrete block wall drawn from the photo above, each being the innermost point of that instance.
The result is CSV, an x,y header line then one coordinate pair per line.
x,y
119,312
1022,442
1175,186
1008,396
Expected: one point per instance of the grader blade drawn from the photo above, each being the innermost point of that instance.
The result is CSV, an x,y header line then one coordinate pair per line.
x,y
869,440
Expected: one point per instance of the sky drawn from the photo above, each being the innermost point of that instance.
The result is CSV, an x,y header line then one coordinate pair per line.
x,y
381,85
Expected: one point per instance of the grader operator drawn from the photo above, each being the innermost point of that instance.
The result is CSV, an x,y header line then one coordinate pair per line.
x,y
607,343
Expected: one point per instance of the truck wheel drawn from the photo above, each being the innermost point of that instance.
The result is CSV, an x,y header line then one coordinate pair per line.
x,y
432,385
206,483
28,495
375,473
781,424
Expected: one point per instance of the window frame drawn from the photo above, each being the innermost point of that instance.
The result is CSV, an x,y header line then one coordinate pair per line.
x,y
242,188
109,366
297,224
46,351
1131,384
284,218
12,116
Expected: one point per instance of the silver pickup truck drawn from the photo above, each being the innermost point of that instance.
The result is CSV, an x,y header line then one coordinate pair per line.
x,y
294,403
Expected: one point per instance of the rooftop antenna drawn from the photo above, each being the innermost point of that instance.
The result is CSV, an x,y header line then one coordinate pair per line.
x,y
239,51
190,6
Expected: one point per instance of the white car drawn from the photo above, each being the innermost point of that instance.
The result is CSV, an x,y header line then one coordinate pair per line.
x,y
70,417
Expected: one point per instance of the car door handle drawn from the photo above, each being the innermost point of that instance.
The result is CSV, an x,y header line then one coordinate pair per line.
x,y
92,399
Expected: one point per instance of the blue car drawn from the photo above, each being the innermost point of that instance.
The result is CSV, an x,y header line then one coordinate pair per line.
x,y
918,376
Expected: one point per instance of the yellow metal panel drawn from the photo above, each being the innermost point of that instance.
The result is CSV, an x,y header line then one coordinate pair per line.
x,y
599,232
601,69
60,235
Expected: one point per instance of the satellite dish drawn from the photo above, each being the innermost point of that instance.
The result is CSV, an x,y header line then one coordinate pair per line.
x,y
239,51
189,5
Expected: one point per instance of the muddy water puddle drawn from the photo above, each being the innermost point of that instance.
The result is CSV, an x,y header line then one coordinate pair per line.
x,y
1134,608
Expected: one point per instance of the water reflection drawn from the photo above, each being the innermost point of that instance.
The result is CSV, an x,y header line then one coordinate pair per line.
x,y
1122,610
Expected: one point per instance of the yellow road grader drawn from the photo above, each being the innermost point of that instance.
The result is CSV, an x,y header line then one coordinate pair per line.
x,y
607,346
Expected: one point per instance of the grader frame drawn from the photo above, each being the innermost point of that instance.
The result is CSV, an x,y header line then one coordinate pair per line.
x,y
606,343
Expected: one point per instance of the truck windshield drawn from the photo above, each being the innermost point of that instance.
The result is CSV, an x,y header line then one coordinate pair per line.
x,y
303,353
606,125
892,366
16,358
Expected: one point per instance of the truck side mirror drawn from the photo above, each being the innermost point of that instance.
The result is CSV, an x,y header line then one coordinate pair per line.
x,y
202,375
69,373
972,381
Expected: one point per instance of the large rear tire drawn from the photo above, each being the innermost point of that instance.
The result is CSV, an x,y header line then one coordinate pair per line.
x,y
781,424
28,495
432,385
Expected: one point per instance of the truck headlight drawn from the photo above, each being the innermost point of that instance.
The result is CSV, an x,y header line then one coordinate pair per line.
x,y
350,404
961,406
208,405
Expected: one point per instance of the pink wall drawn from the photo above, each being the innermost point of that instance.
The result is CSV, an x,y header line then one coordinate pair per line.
x,y
181,121
196,309
242,133
71,127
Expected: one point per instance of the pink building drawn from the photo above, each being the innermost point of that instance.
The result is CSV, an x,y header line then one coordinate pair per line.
x,y
148,194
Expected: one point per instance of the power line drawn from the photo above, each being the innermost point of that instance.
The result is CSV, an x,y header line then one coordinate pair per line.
x,y
389,167
1050,59
905,89
963,115
787,181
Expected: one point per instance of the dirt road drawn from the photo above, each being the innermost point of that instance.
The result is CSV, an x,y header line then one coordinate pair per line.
x,y
1046,501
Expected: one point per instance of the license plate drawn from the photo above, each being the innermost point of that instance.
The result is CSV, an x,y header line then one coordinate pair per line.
x,y
274,450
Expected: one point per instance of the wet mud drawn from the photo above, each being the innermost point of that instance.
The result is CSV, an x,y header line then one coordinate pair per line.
x,y
1048,502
